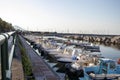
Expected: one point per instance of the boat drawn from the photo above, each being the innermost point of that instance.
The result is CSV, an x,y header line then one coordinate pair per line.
x,y
69,55
76,69
91,48
107,69
73,51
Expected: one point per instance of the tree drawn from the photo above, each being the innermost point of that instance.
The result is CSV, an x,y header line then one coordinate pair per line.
x,y
5,26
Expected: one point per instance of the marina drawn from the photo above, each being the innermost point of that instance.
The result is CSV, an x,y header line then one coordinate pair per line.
x,y
60,40
62,55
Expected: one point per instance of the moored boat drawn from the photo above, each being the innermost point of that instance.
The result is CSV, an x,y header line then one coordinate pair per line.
x,y
107,69
84,60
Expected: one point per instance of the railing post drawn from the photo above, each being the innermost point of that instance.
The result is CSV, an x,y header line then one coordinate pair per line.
x,y
13,38
3,61
4,58
6,50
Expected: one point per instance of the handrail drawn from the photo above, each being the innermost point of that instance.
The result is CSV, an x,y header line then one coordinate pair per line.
x,y
5,59
2,37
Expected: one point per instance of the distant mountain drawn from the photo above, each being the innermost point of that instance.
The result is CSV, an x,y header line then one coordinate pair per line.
x,y
18,28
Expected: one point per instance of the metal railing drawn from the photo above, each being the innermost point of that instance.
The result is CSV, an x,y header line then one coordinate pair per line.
x,y
6,57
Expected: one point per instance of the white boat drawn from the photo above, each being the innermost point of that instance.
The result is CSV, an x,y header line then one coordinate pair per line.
x,y
76,69
69,55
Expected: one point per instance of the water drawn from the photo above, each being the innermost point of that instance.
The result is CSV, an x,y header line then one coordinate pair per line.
x,y
110,52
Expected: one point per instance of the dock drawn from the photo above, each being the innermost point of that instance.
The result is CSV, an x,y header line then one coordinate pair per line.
x,y
41,70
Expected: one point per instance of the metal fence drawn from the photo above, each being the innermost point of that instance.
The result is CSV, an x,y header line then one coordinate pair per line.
x,y
6,57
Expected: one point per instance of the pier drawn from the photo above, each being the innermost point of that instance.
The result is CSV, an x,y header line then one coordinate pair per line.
x,y
41,71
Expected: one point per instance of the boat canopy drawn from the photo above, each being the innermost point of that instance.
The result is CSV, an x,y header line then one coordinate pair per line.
x,y
106,60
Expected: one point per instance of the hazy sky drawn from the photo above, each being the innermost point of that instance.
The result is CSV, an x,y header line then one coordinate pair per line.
x,y
80,16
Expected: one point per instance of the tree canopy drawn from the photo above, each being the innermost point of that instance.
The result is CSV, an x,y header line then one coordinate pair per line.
x,y
5,26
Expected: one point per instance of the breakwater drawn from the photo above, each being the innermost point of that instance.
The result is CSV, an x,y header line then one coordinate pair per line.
x,y
101,38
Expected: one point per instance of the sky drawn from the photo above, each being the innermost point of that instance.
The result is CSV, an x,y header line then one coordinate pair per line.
x,y
73,16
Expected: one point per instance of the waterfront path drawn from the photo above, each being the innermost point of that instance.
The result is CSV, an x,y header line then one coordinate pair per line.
x,y
41,70
17,69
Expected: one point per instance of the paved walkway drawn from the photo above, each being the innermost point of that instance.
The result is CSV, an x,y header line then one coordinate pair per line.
x,y
17,69
41,71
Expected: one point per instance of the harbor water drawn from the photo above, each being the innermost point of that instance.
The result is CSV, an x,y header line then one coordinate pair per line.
x,y
110,52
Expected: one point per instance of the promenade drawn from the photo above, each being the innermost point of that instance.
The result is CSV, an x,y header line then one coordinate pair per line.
x,y
41,71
